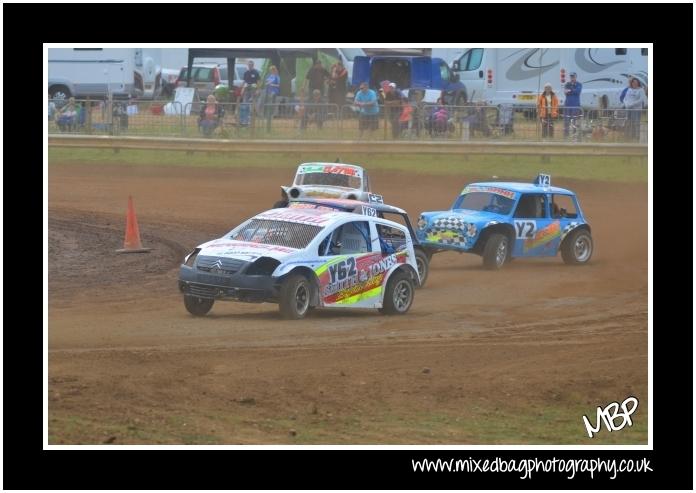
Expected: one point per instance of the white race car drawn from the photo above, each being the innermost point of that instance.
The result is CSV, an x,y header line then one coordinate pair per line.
x,y
305,258
329,180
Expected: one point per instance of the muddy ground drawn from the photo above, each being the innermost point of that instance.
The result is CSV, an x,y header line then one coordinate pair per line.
x,y
515,356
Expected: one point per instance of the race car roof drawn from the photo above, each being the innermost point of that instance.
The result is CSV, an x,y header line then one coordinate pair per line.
x,y
316,217
522,187
333,166
351,205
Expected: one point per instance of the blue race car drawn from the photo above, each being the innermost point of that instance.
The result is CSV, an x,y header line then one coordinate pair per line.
x,y
504,220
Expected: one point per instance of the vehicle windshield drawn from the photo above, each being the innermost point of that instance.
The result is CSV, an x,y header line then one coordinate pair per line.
x,y
329,179
272,232
484,201
351,53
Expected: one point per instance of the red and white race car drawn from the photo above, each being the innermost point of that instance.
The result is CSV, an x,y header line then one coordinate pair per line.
x,y
328,180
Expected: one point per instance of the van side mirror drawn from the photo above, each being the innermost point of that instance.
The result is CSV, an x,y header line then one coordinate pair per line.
x,y
455,65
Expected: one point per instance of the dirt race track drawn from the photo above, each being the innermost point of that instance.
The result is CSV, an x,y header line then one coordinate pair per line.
x,y
516,356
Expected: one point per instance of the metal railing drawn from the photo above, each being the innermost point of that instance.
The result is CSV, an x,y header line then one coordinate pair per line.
x,y
415,121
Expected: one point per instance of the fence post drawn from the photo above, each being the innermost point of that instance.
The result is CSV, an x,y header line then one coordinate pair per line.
x,y
643,130
89,116
465,130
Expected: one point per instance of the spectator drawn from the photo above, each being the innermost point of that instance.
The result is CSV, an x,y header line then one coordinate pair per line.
x,y
391,99
406,117
51,109
314,111
272,86
634,101
251,79
300,106
366,101
337,84
547,109
211,116
316,76
66,118
439,119
572,90
477,120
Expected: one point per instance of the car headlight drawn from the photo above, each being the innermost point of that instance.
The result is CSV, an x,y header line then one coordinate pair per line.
x,y
191,257
422,223
263,266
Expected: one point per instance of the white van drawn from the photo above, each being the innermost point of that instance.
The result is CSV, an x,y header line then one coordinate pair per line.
x,y
90,72
517,75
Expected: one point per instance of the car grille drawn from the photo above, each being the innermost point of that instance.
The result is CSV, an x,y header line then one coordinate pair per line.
x,y
219,265
202,291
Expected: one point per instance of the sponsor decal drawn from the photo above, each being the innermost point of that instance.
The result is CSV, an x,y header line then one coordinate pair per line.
x,y
302,205
296,217
543,236
348,279
451,230
326,168
321,193
496,190
239,245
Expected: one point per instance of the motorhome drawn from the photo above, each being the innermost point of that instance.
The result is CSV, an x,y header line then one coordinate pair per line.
x,y
90,72
517,75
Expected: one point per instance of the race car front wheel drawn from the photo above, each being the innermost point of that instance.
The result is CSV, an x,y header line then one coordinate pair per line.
x,y
577,247
197,306
496,251
295,293
398,296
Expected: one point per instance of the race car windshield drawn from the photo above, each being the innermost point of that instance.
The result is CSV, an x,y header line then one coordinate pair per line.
x,y
271,232
329,179
484,201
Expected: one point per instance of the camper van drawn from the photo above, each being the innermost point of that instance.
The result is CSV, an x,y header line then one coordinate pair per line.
x,y
90,72
99,72
517,75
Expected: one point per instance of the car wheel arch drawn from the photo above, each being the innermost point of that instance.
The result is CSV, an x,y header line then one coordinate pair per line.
x,y
584,226
309,274
406,268
490,229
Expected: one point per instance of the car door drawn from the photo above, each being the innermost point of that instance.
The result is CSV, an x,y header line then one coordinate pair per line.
x,y
536,233
347,274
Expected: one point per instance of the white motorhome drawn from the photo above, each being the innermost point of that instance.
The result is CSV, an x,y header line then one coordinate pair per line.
x,y
517,75
90,72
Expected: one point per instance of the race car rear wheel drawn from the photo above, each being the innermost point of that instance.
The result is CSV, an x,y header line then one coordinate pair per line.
x,y
295,293
280,204
398,296
577,247
197,306
496,251
423,263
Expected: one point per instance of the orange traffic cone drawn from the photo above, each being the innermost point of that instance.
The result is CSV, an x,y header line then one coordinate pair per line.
x,y
132,242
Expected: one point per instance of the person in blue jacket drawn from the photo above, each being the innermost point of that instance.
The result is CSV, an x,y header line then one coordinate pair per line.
x,y
572,90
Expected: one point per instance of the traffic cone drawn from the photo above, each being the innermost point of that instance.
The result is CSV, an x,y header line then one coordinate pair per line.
x,y
132,242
